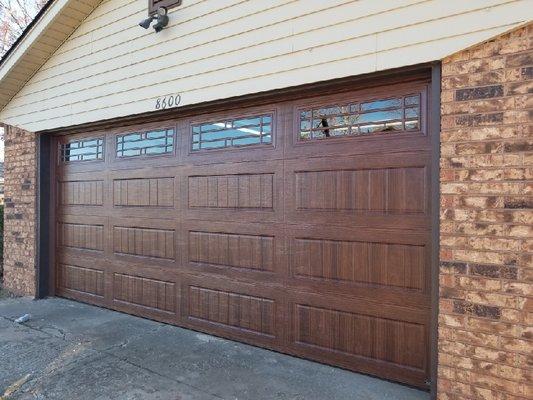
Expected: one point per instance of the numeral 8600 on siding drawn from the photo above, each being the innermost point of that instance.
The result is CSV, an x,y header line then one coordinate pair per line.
x,y
167,102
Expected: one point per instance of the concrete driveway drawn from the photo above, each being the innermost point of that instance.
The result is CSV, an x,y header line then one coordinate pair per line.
x,y
71,351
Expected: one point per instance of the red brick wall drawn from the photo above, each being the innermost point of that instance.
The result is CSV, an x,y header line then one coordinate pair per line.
x,y
485,322
20,211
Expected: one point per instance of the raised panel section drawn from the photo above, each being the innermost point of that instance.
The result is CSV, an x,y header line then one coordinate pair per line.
x,y
81,193
81,236
240,191
393,341
235,310
143,192
81,279
384,190
386,264
232,250
151,293
144,242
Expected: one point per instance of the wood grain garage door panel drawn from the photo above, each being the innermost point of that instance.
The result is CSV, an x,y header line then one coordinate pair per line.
x,y
393,341
81,192
315,244
387,264
251,191
80,236
144,242
230,309
150,293
232,250
380,190
238,191
143,192
248,251
80,279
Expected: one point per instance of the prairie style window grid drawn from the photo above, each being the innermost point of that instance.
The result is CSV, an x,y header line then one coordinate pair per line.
x,y
238,132
148,143
361,118
82,150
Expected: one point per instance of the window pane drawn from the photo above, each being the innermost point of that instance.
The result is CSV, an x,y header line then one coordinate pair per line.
x,y
411,100
157,150
244,141
383,127
380,104
393,114
90,143
130,138
411,125
381,116
411,113
232,133
247,122
131,153
82,150
305,135
305,125
156,134
331,132
145,143
212,145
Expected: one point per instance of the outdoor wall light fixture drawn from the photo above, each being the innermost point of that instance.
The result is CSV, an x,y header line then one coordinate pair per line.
x,y
160,16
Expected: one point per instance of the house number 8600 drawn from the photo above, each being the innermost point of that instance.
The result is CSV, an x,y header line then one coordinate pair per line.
x,y
167,102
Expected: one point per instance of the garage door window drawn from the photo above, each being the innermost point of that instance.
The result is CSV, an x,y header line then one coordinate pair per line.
x,y
361,118
237,132
82,150
145,143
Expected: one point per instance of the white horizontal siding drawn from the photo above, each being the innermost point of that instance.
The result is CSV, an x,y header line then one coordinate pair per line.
x,y
37,46
214,49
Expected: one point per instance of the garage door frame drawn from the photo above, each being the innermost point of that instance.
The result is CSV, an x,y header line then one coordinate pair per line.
x,y
46,164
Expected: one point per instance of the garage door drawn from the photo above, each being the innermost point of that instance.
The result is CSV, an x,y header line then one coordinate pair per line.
x,y
301,226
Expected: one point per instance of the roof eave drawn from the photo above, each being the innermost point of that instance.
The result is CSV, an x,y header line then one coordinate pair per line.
x,y
20,53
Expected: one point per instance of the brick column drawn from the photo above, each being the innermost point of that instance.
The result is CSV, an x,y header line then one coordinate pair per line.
x,y
20,211
485,322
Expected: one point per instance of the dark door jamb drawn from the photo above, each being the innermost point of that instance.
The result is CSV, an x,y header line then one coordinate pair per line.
x,y
435,125
43,213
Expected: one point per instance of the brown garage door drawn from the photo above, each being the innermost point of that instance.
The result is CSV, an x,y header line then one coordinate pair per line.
x,y
302,226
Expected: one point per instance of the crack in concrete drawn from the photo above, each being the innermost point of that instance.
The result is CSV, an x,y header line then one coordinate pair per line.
x,y
150,371
132,338
32,384
54,367
61,332
47,373
25,325
14,387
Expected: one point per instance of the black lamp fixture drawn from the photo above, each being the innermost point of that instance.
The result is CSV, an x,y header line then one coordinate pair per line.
x,y
160,17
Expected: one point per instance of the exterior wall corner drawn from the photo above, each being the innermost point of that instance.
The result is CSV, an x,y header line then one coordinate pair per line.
x,y
20,213
485,221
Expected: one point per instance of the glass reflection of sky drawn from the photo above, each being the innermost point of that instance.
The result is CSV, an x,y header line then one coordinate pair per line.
x,y
394,114
82,150
232,133
145,143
